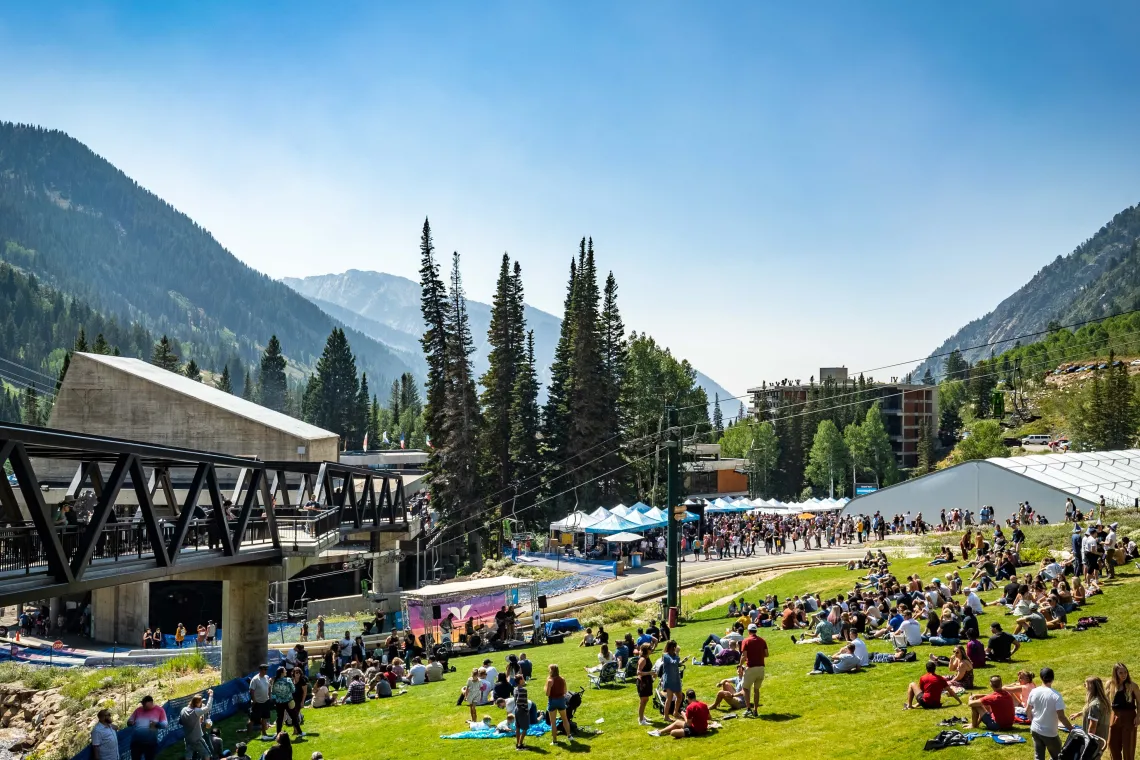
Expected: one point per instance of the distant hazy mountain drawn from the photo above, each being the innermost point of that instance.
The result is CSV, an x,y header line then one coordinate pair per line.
x,y
1101,277
388,308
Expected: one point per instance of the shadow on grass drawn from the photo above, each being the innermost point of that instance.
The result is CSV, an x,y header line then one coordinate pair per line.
x,y
577,746
778,717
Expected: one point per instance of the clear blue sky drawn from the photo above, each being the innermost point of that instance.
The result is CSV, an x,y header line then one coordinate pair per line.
x,y
776,187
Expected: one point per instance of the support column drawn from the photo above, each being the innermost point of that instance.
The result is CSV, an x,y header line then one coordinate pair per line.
x,y
245,626
121,614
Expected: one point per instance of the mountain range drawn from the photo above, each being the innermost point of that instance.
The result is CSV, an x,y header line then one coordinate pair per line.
x,y
387,307
130,261
73,220
1100,278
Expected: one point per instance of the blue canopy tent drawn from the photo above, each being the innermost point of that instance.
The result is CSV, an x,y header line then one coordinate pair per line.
x,y
613,524
641,507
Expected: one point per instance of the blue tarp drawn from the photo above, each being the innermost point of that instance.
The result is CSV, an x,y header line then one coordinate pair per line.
x,y
536,729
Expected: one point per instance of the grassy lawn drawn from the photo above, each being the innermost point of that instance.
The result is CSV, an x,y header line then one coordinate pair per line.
x,y
838,716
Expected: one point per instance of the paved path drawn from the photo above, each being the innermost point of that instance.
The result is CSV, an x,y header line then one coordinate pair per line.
x,y
649,582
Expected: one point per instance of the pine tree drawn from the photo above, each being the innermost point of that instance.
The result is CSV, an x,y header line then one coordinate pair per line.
x,y
498,382
718,418
956,367
927,377
394,406
615,358
375,434
1121,411
524,434
273,385
587,402
223,383
828,459
556,412
165,355
410,394
191,371
247,389
100,346
925,447
30,407
337,390
764,458
363,408
455,488
433,306
81,342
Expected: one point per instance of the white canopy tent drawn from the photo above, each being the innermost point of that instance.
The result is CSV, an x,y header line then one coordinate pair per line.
x,y
620,510
600,513
573,522
613,524
624,538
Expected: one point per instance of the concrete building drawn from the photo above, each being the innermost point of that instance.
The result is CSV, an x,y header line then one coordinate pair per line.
x,y
906,407
129,398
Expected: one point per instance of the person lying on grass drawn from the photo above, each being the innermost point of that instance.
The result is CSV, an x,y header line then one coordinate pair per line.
x,y
843,661
927,693
695,722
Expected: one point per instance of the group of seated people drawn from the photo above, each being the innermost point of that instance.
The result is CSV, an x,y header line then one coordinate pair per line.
x,y
375,679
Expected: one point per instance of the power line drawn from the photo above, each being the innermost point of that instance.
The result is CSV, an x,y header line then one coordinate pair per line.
x,y
948,353
29,370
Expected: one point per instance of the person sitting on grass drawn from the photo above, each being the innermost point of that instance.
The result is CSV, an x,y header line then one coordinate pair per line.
x,y
824,633
723,653
588,639
961,669
1001,646
927,693
695,722
843,661
994,710
730,691
1032,625
1020,690
322,696
357,691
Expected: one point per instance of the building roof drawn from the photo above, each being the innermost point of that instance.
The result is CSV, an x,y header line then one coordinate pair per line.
x,y
208,394
1112,474
472,587
1044,480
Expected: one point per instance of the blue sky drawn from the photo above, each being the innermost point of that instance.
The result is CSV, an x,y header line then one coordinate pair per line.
x,y
776,188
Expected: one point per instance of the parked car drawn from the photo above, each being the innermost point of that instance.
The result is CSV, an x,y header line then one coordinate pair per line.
x,y
1035,440
1059,443
1135,363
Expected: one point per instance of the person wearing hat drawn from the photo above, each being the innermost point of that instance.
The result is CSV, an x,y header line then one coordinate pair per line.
x,y
1075,549
753,653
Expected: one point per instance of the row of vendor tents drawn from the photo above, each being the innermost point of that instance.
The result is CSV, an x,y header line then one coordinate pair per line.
x,y
603,521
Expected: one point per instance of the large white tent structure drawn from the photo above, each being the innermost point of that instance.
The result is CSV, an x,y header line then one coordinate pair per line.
x,y
1044,480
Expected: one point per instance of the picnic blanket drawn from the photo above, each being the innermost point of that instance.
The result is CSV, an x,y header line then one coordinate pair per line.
x,y
490,732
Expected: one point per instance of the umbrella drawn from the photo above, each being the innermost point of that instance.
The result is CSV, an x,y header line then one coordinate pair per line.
x,y
807,516
624,538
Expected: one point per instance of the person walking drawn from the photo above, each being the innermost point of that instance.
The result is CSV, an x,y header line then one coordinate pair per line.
x,y
1123,696
522,711
104,740
282,694
1044,709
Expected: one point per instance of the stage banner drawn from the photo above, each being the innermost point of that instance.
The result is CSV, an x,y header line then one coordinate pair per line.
x,y
480,610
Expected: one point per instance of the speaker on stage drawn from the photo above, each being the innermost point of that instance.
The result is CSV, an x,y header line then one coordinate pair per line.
x,y
542,602
435,612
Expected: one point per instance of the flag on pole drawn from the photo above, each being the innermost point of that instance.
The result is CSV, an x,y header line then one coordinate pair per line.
x,y
386,441
401,440
366,441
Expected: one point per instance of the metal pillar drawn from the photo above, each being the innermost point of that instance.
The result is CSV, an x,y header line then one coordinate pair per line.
x,y
675,508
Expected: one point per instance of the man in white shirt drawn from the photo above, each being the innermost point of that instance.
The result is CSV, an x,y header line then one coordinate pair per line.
x,y
104,740
974,602
859,647
909,633
417,674
492,671
259,700
1045,708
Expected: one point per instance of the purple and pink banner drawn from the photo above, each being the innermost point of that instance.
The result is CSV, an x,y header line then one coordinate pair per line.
x,y
480,610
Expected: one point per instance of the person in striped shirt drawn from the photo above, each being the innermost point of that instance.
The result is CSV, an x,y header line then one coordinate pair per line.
x,y
522,711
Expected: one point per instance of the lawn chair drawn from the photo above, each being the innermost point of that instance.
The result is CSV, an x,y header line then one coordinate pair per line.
x,y
607,675
629,673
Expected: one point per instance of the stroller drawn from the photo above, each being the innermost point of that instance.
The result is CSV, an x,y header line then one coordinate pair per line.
x,y
1082,746
659,695
573,702
607,675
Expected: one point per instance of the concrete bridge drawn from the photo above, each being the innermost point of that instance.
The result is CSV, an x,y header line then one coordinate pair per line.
x,y
135,512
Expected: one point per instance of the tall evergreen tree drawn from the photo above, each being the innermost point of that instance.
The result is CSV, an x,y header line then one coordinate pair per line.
x,y
223,383
925,447
524,435
764,459
363,409
247,388
956,367
81,342
192,371
30,407
718,418
336,388
587,402
375,433
498,382
272,382
395,406
927,377
410,394
434,307
828,459
165,355
615,357
556,412
62,371
456,484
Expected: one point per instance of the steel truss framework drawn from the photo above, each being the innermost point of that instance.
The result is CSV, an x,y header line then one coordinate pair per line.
x,y
347,494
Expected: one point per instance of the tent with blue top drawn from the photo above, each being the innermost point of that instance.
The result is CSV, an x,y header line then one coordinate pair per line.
x,y
613,524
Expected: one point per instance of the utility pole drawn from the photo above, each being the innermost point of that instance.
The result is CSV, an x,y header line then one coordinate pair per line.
x,y
676,513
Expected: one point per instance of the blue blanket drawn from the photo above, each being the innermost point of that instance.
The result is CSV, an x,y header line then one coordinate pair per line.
x,y
536,729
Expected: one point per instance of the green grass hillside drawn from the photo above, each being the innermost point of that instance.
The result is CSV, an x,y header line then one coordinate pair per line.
x,y
836,716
